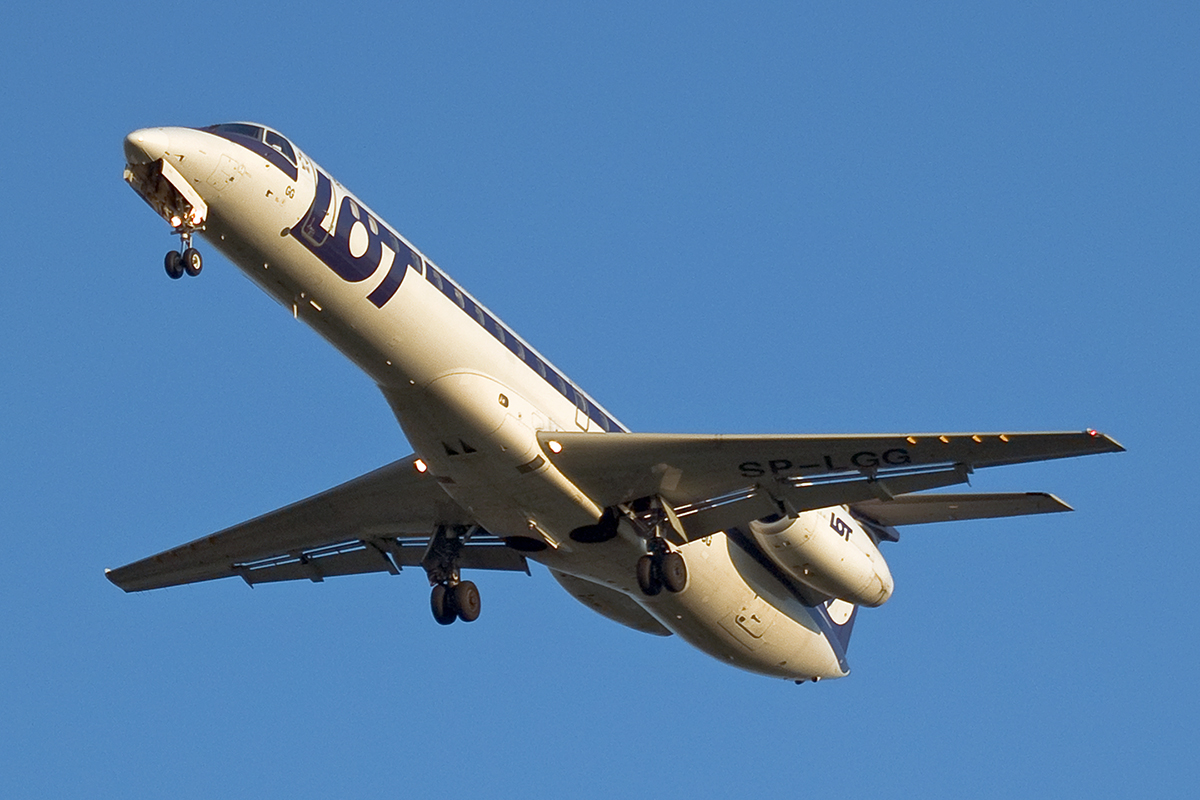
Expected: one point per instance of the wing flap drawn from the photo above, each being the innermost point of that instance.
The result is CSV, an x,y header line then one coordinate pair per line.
x,y
922,509
722,513
358,556
347,558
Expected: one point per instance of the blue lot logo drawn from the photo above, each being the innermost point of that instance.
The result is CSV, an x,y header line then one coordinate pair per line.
x,y
360,245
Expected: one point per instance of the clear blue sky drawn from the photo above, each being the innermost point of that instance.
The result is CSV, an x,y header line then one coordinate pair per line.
x,y
780,218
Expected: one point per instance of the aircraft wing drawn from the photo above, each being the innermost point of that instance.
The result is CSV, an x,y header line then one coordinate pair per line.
x,y
714,482
378,522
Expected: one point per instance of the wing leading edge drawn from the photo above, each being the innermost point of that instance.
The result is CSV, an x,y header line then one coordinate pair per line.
x,y
378,522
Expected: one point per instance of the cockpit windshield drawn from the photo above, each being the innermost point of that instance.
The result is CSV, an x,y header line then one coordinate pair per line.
x,y
276,141
272,146
254,132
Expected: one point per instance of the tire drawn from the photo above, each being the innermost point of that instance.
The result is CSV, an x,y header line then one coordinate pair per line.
x,y
466,598
174,265
441,603
647,576
673,570
192,262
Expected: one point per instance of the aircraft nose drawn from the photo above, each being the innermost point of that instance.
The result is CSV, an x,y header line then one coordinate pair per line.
x,y
145,145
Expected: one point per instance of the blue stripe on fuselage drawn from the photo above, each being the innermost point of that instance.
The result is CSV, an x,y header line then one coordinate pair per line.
x,y
506,337
333,249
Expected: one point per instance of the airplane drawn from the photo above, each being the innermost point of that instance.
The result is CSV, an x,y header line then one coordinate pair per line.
x,y
759,550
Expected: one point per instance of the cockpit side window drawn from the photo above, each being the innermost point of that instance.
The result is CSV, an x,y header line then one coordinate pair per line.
x,y
282,145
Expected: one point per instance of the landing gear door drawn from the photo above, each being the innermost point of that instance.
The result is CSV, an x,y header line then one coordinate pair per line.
x,y
168,193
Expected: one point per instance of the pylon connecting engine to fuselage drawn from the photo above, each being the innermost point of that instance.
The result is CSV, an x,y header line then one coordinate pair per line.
x,y
829,551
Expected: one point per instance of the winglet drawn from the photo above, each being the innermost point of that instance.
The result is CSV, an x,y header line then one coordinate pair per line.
x,y
1114,445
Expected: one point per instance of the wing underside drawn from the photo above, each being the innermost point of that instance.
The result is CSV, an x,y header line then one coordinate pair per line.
x,y
383,521
379,522
716,482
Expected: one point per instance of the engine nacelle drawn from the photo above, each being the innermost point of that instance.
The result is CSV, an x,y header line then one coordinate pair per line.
x,y
829,551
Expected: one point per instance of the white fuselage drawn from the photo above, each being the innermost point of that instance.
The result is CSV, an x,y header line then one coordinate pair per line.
x,y
470,395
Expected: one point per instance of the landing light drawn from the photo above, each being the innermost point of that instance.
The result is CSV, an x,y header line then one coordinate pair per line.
x,y
421,466
176,221
554,446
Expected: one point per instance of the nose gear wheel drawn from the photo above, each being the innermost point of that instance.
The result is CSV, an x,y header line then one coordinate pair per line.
x,y
174,265
192,262
189,261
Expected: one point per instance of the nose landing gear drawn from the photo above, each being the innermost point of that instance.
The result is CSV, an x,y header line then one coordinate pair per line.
x,y
169,193
188,261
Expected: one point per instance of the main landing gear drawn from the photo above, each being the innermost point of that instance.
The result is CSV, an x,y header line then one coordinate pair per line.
x,y
654,521
188,261
460,601
451,598
662,570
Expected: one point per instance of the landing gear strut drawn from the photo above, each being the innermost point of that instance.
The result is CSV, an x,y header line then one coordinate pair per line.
x,y
188,261
451,597
662,567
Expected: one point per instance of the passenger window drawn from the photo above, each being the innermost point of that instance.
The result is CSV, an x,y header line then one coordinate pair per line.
x,y
282,145
533,361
